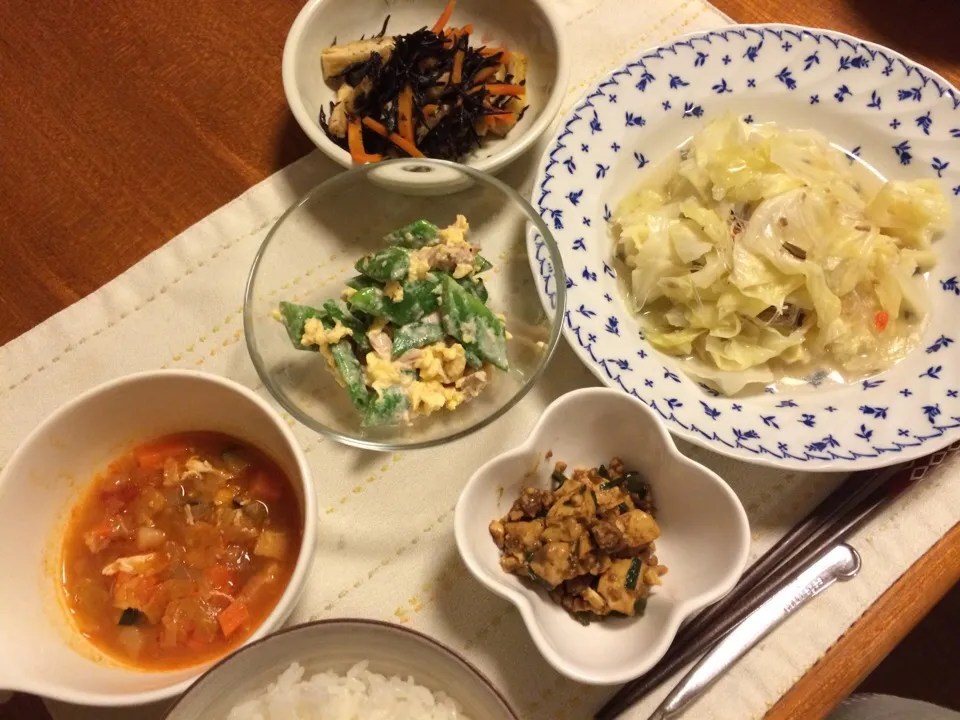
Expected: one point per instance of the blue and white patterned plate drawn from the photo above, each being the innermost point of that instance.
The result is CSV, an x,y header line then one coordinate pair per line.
x,y
901,118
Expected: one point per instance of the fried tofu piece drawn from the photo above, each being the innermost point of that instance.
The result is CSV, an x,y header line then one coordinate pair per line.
x,y
337,58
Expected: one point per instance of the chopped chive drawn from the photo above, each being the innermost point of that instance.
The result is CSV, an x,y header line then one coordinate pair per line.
x,y
633,574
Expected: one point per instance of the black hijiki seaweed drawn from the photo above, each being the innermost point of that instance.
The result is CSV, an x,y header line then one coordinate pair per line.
x,y
420,60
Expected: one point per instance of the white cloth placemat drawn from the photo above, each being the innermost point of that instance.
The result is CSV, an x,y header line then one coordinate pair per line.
x,y
181,307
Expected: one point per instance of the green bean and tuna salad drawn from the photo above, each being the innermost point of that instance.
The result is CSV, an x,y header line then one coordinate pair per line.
x,y
412,333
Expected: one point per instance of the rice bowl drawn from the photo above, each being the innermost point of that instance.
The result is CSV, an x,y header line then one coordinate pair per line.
x,y
357,695
350,668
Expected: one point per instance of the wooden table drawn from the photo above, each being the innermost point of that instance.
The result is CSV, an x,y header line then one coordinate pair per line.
x,y
123,123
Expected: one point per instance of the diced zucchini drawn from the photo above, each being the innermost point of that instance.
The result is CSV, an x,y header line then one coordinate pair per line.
x,y
391,263
294,317
416,335
235,460
417,234
130,616
470,321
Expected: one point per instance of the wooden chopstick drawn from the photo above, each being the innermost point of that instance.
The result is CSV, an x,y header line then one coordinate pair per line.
x,y
848,493
833,520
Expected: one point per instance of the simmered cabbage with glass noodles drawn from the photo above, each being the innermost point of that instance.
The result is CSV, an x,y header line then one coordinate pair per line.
x,y
765,253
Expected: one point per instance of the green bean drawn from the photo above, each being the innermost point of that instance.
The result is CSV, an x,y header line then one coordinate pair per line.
x,y
473,359
466,318
417,234
369,300
391,263
481,264
416,335
419,299
386,409
294,318
359,282
349,368
474,286
337,310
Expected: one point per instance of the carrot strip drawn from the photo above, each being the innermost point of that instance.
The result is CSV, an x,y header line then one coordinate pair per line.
x,y
232,617
405,113
430,109
355,143
457,73
444,16
400,142
491,51
500,89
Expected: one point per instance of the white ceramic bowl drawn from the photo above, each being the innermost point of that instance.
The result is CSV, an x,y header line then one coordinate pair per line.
x,y
704,538
529,26
40,651
337,645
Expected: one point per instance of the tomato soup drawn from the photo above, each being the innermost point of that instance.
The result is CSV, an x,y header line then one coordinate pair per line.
x,y
180,550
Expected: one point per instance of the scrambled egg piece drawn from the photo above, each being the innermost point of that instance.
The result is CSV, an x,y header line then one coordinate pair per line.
x,y
462,270
428,397
393,290
419,266
441,363
314,333
382,373
456,233
348,292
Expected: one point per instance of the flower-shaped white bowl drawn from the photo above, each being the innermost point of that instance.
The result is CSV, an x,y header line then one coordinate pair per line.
x,y
529,26
704,541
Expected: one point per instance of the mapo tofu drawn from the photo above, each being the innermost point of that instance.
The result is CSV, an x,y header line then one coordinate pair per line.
x,y
589,540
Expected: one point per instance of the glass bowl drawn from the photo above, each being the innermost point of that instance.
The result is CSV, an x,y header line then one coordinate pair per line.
x,y
309,254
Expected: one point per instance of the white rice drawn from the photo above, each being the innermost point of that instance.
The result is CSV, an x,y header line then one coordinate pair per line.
x,y
358,695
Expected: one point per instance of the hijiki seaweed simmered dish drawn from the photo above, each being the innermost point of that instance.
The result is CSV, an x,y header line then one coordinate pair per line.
x,y
589,541
412,333
427,93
